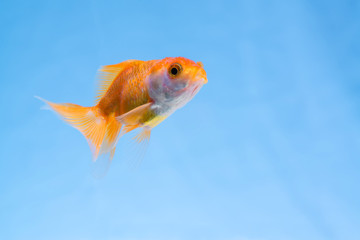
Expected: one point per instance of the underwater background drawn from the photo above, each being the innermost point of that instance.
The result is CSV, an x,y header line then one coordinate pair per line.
x,y
268,149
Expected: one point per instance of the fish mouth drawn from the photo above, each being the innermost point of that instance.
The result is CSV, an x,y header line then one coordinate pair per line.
x,y
201,76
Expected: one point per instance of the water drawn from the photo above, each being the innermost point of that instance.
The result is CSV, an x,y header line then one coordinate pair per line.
x,y
268,149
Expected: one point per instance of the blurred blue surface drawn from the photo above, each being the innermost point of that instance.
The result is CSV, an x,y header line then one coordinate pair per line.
x,y
268,150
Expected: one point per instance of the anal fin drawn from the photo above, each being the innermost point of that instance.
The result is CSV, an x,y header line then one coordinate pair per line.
x,y
144,135
136,146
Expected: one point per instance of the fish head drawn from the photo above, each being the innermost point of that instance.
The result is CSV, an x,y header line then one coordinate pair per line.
x,y
175,81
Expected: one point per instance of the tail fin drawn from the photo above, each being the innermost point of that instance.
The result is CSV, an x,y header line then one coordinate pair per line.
x,y
101,132
86,119
108,146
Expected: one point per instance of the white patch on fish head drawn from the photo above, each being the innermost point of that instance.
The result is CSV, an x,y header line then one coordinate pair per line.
x,y
176,84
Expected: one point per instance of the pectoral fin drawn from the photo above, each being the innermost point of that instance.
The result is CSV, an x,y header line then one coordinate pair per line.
x,y
134,116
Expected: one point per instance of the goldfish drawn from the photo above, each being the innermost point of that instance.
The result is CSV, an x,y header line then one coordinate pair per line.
x,y
133,94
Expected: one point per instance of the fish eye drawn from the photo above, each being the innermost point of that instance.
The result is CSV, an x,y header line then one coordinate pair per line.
x,y
175,70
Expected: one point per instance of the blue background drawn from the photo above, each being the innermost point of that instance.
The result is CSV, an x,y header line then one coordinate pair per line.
x,y
269,148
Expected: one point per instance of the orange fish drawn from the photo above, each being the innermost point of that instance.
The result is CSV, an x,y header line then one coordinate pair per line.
x,y
133,94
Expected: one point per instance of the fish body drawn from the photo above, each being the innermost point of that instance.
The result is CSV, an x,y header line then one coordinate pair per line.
x,y
133,94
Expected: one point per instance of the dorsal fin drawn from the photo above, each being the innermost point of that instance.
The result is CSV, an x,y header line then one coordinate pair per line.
x,y
106,75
